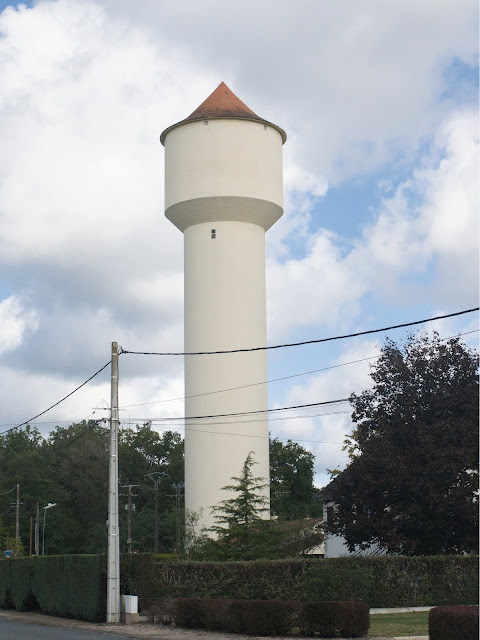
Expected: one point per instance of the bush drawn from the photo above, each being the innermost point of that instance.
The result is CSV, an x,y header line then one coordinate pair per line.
x,y
332,619
453,623
259,617
273,617
190,613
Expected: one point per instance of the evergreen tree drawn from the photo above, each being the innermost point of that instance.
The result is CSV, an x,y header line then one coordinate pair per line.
x,y
238,520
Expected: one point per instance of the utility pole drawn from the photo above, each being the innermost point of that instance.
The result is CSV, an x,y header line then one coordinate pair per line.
x,y
113,556
178,495
17,518
156,476
129,518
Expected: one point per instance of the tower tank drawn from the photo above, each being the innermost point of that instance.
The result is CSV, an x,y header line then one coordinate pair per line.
x,y
224,190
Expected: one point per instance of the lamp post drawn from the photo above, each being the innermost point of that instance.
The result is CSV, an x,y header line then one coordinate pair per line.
x,y
48,506
156,476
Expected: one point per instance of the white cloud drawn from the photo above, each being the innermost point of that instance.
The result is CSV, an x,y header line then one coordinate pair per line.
x,y
86,89
324,435
431,218
15,322
426,228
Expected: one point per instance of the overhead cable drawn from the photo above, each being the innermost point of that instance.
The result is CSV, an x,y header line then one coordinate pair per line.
x,y
57,403
298,344
260,411
256,384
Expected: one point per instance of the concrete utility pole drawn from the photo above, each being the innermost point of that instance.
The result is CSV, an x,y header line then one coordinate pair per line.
x,y
17,518
156,476
113,556
179,486
129,518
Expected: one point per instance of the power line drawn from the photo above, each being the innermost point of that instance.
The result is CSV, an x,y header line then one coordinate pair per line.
x,y
297,344
247,413
158,422
246,386
57,403
6,492
78,435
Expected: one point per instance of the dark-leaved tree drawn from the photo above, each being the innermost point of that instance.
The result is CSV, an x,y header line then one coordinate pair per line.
x,y
412,484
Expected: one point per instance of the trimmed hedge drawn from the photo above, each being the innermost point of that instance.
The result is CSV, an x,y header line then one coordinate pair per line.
x,y
259,617
388,581
70,586
273,617
453,623
332,619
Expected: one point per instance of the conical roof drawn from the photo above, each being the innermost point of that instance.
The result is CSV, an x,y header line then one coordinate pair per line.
x,y
222,103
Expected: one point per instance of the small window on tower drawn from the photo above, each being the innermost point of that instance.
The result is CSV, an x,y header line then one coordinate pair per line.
x,y
214,234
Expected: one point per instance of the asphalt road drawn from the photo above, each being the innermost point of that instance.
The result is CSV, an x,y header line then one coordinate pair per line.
x,y
18,631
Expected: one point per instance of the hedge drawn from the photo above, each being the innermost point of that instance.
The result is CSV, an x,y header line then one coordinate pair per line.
x,y
273,617
388,581
75,586
72,586
453,623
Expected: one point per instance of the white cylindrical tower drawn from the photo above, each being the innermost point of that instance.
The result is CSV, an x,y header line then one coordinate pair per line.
x,y
223,189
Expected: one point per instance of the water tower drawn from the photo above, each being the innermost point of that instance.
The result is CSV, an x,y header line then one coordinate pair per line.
x,y
223,190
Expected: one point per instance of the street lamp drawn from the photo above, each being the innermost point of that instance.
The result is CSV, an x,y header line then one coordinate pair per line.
x,y
156,476
48,506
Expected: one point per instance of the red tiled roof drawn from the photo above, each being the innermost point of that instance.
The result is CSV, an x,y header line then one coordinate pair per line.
x,y
222,103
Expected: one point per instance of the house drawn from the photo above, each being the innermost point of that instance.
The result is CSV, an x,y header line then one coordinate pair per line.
x,y
336,546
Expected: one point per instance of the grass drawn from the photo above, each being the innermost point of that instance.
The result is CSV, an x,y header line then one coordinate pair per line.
x,y
414,623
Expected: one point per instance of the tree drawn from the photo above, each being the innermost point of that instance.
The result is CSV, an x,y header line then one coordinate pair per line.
x,y
238,520
412,484
291,481
245,508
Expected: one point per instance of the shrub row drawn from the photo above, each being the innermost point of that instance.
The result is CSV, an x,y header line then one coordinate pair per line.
x,y
453,623
388,581
273,617
72,586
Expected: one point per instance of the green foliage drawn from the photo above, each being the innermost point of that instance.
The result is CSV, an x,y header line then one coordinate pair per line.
x,y
20,588
291,481
245,508
349,619
412,484
10,543
453,623
273,617
5,599
239,526
243,534
389,581
69,586
70,468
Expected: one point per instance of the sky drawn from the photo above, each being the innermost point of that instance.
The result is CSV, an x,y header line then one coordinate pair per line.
x,y
380,105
